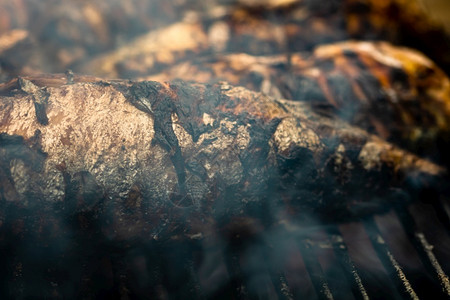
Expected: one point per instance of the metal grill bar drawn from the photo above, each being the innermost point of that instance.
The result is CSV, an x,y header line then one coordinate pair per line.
x,y
175,262
388,260
350,271
424,249
442,215
118,269
158,290
278,279
281,286
315,271
153,287
193,284
239,290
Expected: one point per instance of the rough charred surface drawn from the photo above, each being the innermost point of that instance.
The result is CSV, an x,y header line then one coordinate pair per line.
x,y
397,93
110,189
120,166
186,147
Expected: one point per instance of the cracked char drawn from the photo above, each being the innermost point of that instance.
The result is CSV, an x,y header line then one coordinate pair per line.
x,y
168,160
394,92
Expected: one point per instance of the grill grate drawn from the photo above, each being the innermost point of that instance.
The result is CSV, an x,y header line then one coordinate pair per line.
x,y
315,272
361,261
350,271
388,260
309,248
440,210
424,249
274,282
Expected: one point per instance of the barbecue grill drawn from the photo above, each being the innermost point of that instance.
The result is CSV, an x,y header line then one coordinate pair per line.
x,y
400,255
74,253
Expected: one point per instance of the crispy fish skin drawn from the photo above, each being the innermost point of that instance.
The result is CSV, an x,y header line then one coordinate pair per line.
x,y
126,166
395,92
170,160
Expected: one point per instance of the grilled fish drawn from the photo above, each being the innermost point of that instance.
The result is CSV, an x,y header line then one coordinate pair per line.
x,y
173,159
395,92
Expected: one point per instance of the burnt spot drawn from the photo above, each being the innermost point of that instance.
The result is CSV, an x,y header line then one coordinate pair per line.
x,y
325,8
197,169
134,200
254,162
253,80
16,147
359,63
301,88
297,167
40,99
370,86
82,193
188,104
143,95
342,92
258,148
31,233
152,98
399,78
350,54
41,114
326,65
69,76
298,180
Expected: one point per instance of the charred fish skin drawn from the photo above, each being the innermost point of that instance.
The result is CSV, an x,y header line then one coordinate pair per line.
x,y
82,199
394,92
238,153
40,97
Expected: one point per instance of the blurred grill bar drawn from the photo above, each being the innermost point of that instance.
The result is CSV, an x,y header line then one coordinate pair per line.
x,y
388,260
239,290
281,286
350,271
315,271
277,285
441,213
255,267
278,278
194,285
424,249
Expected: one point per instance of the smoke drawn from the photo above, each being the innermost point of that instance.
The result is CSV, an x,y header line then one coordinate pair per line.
x,y
92,245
